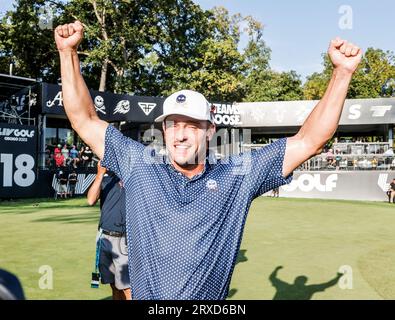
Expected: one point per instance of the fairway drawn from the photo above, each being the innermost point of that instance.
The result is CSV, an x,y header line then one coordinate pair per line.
x,y
311,238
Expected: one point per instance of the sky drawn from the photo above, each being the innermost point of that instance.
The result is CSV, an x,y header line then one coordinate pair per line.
x,y
298,32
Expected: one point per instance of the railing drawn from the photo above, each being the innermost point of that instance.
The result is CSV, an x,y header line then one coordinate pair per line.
x,y
362,156
361,148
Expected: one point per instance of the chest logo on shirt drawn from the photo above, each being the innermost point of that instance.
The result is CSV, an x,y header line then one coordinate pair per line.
x,y
212,185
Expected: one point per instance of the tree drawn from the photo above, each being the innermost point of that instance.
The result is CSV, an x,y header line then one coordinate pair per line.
x,y
25,43
218,71
148,48
377,66
260,82
275,86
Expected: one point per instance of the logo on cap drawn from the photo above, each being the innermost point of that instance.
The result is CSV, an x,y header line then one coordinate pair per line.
x,y
181,98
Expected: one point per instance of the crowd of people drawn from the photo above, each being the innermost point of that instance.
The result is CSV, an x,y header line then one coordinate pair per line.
x,y
68,157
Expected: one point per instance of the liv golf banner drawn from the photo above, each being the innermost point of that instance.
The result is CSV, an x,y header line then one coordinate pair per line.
x,y
18,145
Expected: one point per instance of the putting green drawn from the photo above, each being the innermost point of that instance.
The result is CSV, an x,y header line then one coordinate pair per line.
x,y
310,238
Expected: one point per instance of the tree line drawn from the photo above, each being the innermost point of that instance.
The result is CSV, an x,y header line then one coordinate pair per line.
x,y
156,47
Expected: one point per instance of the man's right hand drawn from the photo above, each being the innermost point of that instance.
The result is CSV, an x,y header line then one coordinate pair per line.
x,y
100,170
68,36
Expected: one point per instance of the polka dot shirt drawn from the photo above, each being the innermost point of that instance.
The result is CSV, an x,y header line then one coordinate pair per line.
x,y
184,234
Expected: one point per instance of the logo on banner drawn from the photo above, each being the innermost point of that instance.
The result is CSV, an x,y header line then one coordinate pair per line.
x,y
19,135
99,104
123,107
377,111
58,99
227,114
147,107
355,112
380,111
308,182
382,182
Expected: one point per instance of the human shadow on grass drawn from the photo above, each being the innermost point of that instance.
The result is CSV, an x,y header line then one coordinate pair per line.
x,y
241,257
298,290
77,218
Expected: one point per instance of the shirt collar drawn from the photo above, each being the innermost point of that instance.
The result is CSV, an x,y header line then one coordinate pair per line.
x,y
210,161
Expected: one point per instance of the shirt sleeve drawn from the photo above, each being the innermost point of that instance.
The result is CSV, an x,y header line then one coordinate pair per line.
x,y
267,168
120,153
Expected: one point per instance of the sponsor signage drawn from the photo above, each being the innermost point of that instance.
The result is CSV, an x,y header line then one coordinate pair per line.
x,y
17,160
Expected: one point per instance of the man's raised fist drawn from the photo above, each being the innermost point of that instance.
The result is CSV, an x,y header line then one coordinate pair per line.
x,y
345,56
68,36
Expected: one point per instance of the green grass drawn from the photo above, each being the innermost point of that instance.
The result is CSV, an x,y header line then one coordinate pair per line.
x,y
312,238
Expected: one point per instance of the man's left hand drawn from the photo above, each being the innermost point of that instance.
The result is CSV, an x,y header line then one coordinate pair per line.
x,y
345,56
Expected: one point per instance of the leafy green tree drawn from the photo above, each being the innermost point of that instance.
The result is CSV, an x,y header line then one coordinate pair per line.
x,y
377,66
260,82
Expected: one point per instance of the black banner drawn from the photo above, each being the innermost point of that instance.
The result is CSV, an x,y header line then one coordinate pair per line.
x,y
18,145
109,106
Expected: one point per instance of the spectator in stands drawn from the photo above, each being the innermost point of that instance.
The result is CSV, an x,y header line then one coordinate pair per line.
x,y
355,164
338,158
374,163
82,150
65,152
87,156
72,182
74,156
59,160
330,158
57,149
391,191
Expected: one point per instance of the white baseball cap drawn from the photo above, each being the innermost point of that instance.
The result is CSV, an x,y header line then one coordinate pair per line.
x,y
187,103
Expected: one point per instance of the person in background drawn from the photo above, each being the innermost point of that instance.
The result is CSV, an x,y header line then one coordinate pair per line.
x,y
330,158
275,193
58,149
63,184
391,191
59,160
113,258
74,156
73,179
87,156
65,153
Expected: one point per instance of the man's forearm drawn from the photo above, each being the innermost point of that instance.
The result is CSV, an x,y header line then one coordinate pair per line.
x,y
77,101
94,191
323,121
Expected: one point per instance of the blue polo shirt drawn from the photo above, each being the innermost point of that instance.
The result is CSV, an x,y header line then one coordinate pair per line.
x,y
184,234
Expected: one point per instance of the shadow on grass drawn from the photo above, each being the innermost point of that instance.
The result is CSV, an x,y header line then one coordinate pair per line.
x,y
77,218
298,290
241,257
